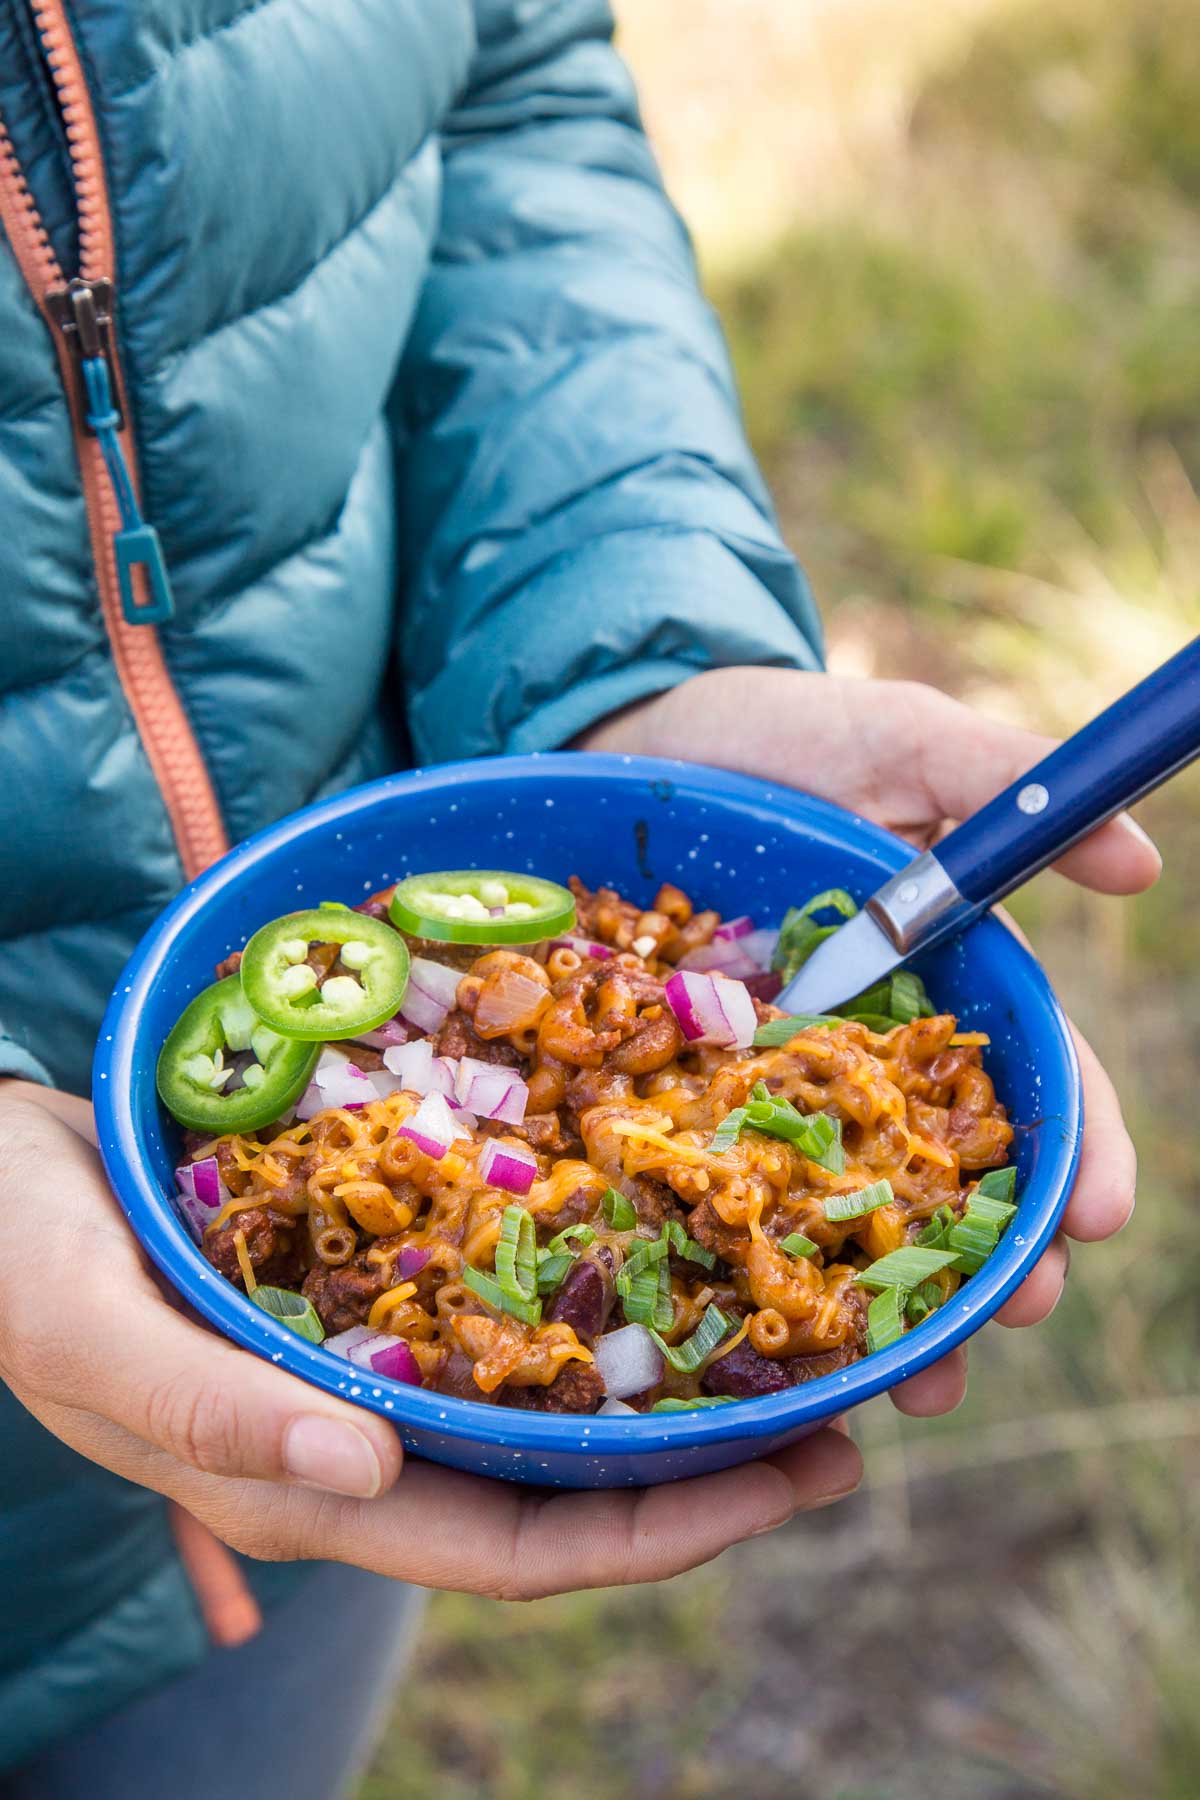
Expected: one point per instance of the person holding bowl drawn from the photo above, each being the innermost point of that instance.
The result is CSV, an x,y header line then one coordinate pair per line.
x,y
361,410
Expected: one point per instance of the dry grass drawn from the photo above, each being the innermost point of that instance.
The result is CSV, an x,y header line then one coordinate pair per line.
x,y
769,111
961,271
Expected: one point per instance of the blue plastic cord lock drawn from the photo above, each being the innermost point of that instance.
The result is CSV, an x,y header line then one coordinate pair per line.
x,y
136,544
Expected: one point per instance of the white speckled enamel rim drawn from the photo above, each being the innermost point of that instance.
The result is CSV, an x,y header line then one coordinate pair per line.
x,y
130,1125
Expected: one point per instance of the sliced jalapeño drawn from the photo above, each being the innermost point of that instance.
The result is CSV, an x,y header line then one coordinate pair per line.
x,y
364,984
482,906
204,1077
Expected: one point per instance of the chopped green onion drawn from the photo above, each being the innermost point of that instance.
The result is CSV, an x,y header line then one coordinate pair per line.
x,y
552,1269
906,1268
695,1351
992,1212
644,1285
909,999
997,1184
583,1235
728,1131
840,1207
782,1031
673,1405
798,938
516,1254
926,1299
646,1295
934,1234
885,1319
822,1143
898,1000
293,1310
815,1135
876,1022
973,1240
685,1246
647,1250
618,1211
832,900
529,1312
796,1244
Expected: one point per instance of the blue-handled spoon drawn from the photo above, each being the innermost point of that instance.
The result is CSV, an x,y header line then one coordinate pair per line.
x,y
1134,746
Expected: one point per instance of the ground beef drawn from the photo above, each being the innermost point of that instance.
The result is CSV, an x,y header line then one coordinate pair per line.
x,y
586,1297
577,1206
272,1244
229,966
594,1087
706,1225
451,956
653,1201
543,1132
343,1297
744,1374
577,1388
457,1038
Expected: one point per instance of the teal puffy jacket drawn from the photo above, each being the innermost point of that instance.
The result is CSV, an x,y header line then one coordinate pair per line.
x,y
441,449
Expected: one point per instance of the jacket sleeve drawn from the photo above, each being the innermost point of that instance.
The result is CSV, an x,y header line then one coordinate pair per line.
x,y
585,522
17,1063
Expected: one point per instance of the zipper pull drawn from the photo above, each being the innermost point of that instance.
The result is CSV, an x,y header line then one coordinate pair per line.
x,y
84,313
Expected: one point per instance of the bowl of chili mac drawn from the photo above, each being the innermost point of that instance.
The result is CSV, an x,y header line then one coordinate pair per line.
x,y
465,1097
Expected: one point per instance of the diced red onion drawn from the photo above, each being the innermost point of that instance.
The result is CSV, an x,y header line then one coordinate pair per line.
x,y
378,1351
201,1194
343,1342
335,1082
724,958
433,1127
612,1406
384,1082
419,1070
430,993
508,1000
490,1090
392,1031
411,1260
760,945
629,1361
395,1359
508,1166
583,947
711,1009
729,929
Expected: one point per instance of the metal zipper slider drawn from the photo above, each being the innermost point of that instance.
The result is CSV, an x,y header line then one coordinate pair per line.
x,y
83,312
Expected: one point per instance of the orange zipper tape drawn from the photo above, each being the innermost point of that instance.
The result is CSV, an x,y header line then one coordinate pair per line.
x,y
158,714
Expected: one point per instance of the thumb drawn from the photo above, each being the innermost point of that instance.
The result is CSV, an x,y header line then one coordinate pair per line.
x,y
100,1339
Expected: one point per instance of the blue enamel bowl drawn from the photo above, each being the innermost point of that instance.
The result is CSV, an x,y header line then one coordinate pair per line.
x,y
730,842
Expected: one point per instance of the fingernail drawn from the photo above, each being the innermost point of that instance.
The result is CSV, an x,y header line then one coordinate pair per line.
x,y
329,1454
1135,830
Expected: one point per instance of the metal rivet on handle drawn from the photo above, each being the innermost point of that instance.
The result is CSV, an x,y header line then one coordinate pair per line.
x,y
909,892
1033,798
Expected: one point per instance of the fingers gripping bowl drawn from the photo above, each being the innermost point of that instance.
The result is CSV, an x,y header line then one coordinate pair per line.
x,y
734,844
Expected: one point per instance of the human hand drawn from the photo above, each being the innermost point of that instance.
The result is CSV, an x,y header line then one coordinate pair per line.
x,y
912,759
97,1351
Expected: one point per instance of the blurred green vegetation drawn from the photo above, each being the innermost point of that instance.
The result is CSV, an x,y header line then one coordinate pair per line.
x,y
978,398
